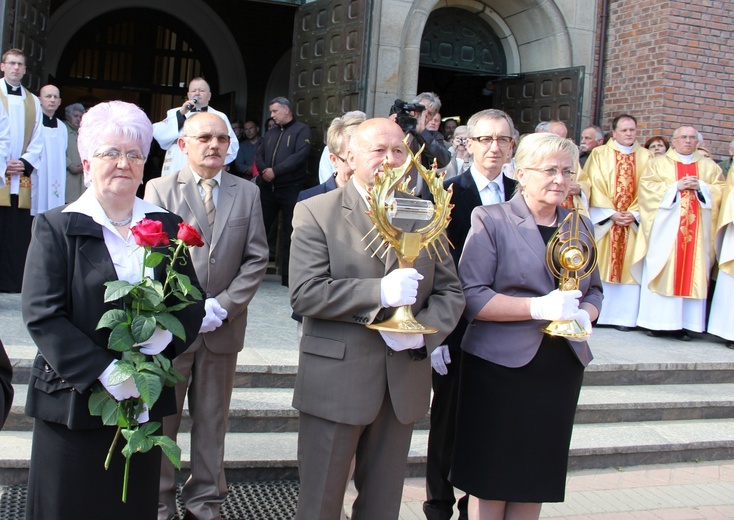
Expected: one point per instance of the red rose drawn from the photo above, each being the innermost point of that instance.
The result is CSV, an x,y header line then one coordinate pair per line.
x,y
149,233
188,235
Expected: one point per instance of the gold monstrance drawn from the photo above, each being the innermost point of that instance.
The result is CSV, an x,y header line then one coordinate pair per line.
x,y
570,257
407,245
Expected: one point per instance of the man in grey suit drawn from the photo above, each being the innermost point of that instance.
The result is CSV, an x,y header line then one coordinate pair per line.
x,y
231,264
359,391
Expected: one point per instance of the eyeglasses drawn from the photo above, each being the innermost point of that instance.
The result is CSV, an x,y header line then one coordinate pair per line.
x,y
502,141
553,172
113,156
207,138
687,137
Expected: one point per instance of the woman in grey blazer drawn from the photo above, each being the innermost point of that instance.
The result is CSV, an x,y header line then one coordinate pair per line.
x,y
519,387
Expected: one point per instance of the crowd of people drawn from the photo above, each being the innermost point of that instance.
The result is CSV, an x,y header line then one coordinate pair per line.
x,y
504,393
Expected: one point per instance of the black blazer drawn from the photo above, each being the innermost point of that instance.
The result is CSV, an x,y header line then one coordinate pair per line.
x,y
62,302
6,389
465,199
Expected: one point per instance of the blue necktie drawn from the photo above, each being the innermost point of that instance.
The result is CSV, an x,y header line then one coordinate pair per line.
x,y
494,193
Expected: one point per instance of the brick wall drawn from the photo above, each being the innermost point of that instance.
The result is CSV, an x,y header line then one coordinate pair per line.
x,y
670,63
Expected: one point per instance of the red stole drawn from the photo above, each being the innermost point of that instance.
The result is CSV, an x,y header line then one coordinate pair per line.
x,y
625,190
685,248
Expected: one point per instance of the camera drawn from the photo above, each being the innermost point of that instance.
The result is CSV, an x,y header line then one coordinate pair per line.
x,y
406,121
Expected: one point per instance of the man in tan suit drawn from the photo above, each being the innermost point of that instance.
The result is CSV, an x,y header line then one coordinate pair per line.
x,y
359,391
230,266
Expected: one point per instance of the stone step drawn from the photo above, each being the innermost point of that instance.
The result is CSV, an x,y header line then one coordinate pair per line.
x,y
269,456
274,368
265,410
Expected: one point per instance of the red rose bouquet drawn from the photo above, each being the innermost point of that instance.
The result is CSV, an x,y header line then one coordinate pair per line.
x,y
147,312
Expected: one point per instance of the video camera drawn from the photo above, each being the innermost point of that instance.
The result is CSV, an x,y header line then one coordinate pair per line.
x,y
405,119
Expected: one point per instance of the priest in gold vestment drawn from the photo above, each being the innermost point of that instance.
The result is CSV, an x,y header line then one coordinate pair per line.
x,y
614,171
721,319
679,198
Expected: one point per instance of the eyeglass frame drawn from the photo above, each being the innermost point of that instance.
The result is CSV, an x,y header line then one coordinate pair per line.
x,y
202,138
113,155
566,174
482,139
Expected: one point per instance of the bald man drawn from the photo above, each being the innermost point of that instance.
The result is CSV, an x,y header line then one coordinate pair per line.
x,y
358,390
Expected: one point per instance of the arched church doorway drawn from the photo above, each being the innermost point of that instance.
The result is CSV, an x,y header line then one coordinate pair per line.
x,y
139,55
460,58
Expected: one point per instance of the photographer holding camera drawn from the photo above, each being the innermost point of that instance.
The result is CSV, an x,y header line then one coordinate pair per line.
x,y
412,118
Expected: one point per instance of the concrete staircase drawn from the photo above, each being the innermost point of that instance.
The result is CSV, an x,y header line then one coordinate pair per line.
x,y
644,401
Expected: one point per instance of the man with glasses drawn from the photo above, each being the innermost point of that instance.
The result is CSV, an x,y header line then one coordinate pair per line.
x,y
614,171
26,147
230,266
679,196
167,132
491,143
282,160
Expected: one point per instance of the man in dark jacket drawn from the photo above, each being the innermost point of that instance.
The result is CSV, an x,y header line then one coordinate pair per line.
x,y
281,161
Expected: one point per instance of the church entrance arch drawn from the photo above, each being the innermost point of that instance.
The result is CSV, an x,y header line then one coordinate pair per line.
x,y
138,55
460,57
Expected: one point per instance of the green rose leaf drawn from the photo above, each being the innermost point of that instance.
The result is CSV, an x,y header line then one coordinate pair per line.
x,y
111,318
142,328
151,297
123,371
170,449
172,324
154,259
120,338
117,289
149,385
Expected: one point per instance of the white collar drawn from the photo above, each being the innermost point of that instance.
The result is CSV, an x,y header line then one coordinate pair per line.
x,y
685,159
364,193
624,149
87,204
482,182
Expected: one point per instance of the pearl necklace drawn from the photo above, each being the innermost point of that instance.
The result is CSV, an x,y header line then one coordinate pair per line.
x,y
121,223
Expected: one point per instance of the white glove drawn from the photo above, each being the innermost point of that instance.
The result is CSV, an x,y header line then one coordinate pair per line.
x,y
556,305
583,319
399,341
439,359
144,416
124,390
399,287
157,343
214,315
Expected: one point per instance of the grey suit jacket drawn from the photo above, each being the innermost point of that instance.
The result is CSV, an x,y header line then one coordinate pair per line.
x,y
505,254
345,368
232,262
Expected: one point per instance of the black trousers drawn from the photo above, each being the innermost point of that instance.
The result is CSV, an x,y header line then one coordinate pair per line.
x,y
15,236
274,200
439,491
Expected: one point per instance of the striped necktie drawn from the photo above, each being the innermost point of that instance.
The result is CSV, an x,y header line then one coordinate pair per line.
x,y
208,185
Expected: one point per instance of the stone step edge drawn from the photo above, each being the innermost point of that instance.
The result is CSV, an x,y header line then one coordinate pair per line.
x,y
278,449
285,395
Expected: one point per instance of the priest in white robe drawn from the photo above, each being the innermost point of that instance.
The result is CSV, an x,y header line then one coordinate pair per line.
x,y
614,171
721,317
167,132
48,182
679,198
26,145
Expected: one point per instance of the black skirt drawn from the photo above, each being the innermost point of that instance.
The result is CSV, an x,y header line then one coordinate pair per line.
x,y
513,427
67,478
